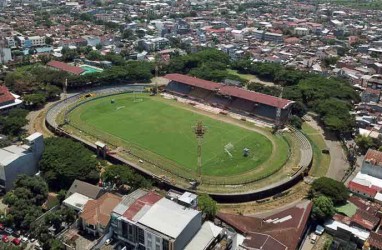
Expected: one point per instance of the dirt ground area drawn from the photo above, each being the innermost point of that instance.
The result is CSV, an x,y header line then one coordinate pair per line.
x,y
295,194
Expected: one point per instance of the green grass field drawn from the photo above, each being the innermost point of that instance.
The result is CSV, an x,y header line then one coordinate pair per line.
x,y
156,127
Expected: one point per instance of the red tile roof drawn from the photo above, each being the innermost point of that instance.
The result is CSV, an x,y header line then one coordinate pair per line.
x,y
148,199
5,95
374,157
98,211
193,81
284,228
230,90
368,206
353,186
365,220
375,240
66,67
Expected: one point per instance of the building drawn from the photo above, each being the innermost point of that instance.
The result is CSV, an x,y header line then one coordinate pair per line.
x,y
145,220
21,159
37,40
7,99
301,31
263,35
74,70
80,193
281,231
226,97
371,95
372,163
95,215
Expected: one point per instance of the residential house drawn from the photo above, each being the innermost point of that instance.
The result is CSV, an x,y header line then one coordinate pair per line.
x,y
372,163
7,99
80,193
95,215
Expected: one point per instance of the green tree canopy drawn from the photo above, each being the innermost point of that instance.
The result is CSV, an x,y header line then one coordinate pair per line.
x,y
64,160
25,201
124,175
332,189
13,123
323,208
364,143
207,205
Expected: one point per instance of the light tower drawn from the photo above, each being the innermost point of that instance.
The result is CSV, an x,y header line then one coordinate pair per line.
x,y
278,112
199,131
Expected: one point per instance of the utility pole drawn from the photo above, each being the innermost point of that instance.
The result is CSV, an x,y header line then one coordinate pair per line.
x,y
199,131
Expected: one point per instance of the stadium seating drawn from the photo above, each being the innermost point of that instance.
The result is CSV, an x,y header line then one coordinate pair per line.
x,y
200,93
179,88
219,101
242,105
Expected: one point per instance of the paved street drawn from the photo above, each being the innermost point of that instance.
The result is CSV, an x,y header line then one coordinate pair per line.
x,y
338,161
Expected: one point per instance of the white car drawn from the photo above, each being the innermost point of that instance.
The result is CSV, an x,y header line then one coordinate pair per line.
x,y
24,239
107,242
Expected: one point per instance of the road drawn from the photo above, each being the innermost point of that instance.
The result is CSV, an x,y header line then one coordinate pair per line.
x,y
338,161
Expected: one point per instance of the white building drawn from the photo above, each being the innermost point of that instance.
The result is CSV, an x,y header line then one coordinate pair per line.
x,y
37,40
301,31
21,159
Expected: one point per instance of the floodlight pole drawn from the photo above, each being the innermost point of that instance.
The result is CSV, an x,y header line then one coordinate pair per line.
x,y
199,131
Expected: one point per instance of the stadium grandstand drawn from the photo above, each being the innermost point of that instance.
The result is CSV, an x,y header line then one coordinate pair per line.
x,y
235,99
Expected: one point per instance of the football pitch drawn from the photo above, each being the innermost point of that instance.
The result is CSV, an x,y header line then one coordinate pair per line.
x,y
163,132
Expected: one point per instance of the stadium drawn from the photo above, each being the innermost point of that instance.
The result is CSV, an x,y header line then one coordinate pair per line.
x,y
159,135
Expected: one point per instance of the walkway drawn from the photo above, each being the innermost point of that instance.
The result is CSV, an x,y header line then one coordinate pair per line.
x,y
338,160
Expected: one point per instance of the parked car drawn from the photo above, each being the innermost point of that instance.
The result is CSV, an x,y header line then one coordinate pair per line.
x,y
8,230
313,238
24,239
319,230
16,241
32,240
1,226
108,242
5,238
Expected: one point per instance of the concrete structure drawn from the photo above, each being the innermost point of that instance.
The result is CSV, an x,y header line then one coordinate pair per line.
x,y
21,159
148,221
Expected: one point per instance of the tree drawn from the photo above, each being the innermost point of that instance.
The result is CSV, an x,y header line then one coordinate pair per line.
x,y
25,201
94,55
364,143
332,189
207,205
295,121
64,160
13,123
34,100
323,208
49,40
123,175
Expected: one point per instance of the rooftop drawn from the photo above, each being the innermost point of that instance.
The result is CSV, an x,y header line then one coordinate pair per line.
x,y
374,157
283,230
86,189
5,95
98,211
66,67
207,233
160,217
230,90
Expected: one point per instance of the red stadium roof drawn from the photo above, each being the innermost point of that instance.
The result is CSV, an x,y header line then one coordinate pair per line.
x,y
230,90
5,95
193,81
66,67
